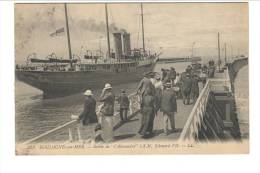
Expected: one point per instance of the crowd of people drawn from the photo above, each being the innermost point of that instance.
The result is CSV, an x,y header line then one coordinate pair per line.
x,y
102,119
158,93
185,85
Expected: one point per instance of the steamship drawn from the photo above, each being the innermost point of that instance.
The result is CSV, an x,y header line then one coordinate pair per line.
x,y
58,77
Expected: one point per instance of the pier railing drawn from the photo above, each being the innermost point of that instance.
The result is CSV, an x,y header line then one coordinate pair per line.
x,y
190,130
70,131
195,120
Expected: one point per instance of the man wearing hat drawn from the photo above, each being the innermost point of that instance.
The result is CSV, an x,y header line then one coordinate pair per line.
x,y
168,107
107,112
145,86
147,111
172,75
188,69
163,73
186,88
88,117
195,87
124,105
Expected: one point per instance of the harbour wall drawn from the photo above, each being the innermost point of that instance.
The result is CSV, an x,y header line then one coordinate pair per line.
x,y
214,116
228,104
239,129
234,67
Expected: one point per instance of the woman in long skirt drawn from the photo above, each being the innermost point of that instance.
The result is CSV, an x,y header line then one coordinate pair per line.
x,y
107,113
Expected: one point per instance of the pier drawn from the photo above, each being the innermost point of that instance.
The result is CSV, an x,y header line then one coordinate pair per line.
x,y
211,118
179,59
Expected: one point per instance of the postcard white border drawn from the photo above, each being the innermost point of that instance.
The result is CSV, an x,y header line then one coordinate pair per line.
x,y
151,163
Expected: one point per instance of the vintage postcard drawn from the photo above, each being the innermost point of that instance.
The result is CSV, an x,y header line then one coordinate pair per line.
x,y
131,78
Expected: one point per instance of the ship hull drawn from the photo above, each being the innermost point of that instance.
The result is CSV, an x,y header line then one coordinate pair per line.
x,y
58,84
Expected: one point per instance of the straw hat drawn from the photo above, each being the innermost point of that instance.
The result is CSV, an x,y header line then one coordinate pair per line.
x,y
88,93
108,86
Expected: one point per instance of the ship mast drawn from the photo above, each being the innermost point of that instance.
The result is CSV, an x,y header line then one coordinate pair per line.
x,y
142,18
218,53
108,39
225,53
68,34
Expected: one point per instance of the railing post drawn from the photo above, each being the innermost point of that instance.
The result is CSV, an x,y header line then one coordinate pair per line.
x,y
130,106
79,134
70,135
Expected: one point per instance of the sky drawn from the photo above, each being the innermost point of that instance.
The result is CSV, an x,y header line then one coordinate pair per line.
x,y
170,28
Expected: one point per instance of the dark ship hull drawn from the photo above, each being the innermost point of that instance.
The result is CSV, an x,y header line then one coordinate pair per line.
x,y
62,83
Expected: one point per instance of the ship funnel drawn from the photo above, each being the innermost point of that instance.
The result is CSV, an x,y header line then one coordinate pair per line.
x,y
126,44
122,44
118,44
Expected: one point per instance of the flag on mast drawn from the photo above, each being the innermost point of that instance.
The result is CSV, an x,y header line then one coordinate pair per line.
x,y
58,32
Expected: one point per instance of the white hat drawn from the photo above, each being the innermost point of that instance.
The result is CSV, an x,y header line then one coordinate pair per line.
x,y
88,93
108,86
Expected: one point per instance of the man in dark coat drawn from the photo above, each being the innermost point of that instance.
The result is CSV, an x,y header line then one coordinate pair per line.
x,y
172,75
168,107
211,71
148,113
89,112
186,88
195,88
204,75
182,76
108,98
88,118
167,77
145,85
163,73
188,69
107,112
124,105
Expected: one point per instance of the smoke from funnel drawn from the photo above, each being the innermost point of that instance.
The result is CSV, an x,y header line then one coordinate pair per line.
x,y
94,26
47,20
